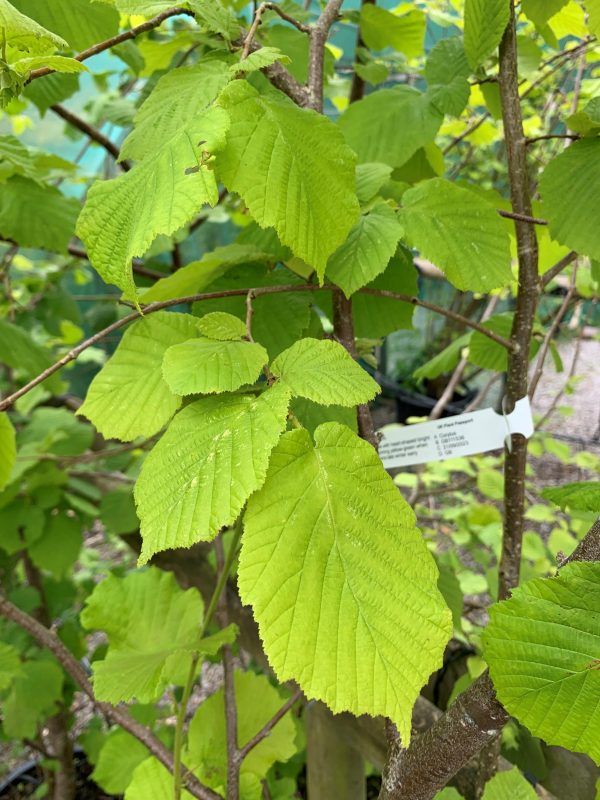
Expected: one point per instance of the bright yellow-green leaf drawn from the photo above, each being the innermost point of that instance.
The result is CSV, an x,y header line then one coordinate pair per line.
x,y
24,33
222,326
510,785
8,448
485,23
404,32
342,585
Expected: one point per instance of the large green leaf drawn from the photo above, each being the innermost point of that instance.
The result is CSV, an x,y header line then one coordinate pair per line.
x,y
257,701
485,23
179,97
404,32
20,219
342,585
292,169
447,71
570,194
543,649
460,232
580,496
323,371
206,366
152,781
120,755
390,125
81,23
510,785
367,251
8,449
540,11
123,216
129,396
24,33
213,456
34,696
153,627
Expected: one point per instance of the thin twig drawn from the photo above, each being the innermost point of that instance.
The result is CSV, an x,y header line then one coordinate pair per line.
x,y
149,25
268,726
549,136
136,263
117,714
249,315
552,273
89,130
522,217
162,304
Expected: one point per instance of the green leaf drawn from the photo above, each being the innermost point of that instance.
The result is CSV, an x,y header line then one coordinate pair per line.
x,y
323,371
20,219
446,72
342,585
216,17
121,753
311,415
404,32
485,23
510,785
292,169
375,317
21,352
460,232
222,326
449,793
58,547
213,456
20,526
117,511
593,9
153,628
540,11
206,366
10,665
571,199
488,354
55,88
580,496
123,216
129,397
152,781
260,59
587,121
542,647
58,63
444,361
81,23
34,696
370,178
24,33
8,449
257,701
178,98
367,251
390,125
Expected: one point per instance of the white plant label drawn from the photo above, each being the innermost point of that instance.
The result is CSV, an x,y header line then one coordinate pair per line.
x,y
452,437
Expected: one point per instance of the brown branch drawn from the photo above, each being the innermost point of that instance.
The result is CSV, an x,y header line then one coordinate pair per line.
x,y
89,130
357,89
316,57
552,273
136,263
526,305
194,298
549,136
258,19
522,217
118,715
115,40
268,727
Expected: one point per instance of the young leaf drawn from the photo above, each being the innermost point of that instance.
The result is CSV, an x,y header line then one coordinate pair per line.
x,y
129,396
380,29
257,701
510,785
179,97
292,169
571,199
8,449
485,23
222,326
213,456
206,366
460,232
260,59
390,125
542,647
153,628
323,371
123,216
24,33
341,583
580,496
367,251
446,72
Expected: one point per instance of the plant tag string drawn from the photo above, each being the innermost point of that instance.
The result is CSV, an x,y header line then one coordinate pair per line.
x,y
452,437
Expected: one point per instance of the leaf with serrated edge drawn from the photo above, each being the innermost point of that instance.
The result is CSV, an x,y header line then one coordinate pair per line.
x,y
510,785
123,216
292,169
460,232
213,456
129,396
24,33
322,370
153,627
543,650
485,22
342,585
206,366
580,496
222,326
367,251
152,781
